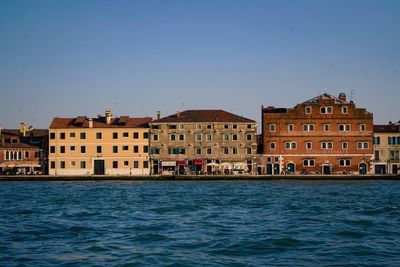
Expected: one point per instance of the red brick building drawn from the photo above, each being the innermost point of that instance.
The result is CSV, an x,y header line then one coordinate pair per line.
x,y
324,135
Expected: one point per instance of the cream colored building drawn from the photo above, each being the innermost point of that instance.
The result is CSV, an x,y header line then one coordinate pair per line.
x,y
387,149
102,145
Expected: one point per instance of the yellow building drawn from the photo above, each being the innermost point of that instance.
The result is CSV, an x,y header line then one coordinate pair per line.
x,y
102,145
387,148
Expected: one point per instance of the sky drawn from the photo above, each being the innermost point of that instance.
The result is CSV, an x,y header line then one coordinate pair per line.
x,y
69,58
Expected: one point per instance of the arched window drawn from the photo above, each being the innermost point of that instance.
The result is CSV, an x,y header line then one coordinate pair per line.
x,y
11,156
19,155
7,155
15,155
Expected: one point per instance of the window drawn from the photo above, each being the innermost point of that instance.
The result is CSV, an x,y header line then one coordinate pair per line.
x,y
344,162
52,136
155,137
344,127
73,163
155,126
83,149
345,145
98,149
272,145
226,137
326,145
126,163
326,110
198,137
347,127
125,148
83,135
248,126
198,127
376,155
394,140
62,164
308,145
308,110
234,150
208,126
98,136
72,148
145,164
308,127
83,164
198,151
115,164
362,145
72,135
155,151
125,134
52,149
377,140
53,164
181,127
323,110
172,126
135,149
62,149
172,137
234,137
115,135
308,163
209,151
272,127
145,135
145,149
234,126
115,149
290,127
62,135
136,164
209,138
394,155
226,150
26,154
248,137
326,127
135,135
344,110
290,145
181,137
226,126
249,151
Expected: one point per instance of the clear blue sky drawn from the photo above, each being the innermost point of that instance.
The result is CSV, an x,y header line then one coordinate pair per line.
x,y
70,58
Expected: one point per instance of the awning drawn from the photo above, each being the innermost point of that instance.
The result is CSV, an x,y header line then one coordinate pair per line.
x,y
168,163
198,161
181,162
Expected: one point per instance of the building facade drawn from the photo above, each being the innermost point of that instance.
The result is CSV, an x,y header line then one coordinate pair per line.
x,y
203,141
324,135
23,151
97,146
387,149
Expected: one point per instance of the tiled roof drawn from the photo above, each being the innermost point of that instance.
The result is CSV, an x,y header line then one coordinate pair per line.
x,y
388,128
203,116
324,96
66,123
18,145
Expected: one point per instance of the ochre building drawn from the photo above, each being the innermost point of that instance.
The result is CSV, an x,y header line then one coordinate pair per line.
x,y
102,145
387,148
203,141
324,135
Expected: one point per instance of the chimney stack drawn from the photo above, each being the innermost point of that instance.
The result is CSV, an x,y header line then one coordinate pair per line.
x,y
90,123
342,96
23,129
158,115
108,116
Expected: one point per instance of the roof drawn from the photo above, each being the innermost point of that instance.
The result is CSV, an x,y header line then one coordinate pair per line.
x,y
207,115
83,122
388,128
274,110
325,96
19,145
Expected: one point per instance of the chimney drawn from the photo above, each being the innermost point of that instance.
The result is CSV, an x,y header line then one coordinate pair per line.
x,y
108,116
90,123
178,113
23,129
158,115
342,96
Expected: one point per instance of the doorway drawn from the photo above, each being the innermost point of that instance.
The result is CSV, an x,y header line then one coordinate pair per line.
x,y
362,168
276,168
394,169
269,169
291,168
99,167
326,169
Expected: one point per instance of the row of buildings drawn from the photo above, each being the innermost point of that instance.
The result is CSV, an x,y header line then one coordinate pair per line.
x,y
323,135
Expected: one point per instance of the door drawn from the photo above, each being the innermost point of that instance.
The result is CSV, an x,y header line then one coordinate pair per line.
x,y
269,169
291,168
326,169
394,169
99,167
363,168
276,168
155,169
380,169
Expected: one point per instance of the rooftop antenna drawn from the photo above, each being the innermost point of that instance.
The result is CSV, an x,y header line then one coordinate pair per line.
x,y
352,93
